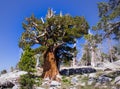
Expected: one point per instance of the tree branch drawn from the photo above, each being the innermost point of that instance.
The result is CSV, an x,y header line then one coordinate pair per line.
x,y
113,28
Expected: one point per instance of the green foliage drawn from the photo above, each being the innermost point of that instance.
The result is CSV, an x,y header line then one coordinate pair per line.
x,y
40,49
104,55
27,61
87,54
66,63
108,26
84,79
26,81
38,81
88,37
56,31
50,41
65,80
41,60
109,13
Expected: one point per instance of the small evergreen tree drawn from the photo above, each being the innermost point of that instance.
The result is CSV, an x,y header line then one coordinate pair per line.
x,y
27,63
27,81
86,57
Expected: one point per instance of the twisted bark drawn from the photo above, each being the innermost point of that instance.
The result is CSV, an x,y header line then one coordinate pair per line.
x,y
50,69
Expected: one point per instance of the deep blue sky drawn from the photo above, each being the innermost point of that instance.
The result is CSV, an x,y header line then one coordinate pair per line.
x,y
13,12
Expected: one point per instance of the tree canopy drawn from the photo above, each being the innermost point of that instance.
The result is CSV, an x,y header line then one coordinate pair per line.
x,y
109,13
54,32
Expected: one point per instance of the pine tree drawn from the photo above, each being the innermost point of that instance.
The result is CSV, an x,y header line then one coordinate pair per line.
x,y
109,13
27,61
53,34
91,49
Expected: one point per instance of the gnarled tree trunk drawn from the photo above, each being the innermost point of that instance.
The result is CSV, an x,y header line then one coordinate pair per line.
x,y
50,69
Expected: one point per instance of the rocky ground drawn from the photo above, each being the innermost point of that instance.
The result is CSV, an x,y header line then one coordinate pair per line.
x,y
106,76
98,80
10,80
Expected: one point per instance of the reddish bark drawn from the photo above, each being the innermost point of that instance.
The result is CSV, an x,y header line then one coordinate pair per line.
x,y
50,69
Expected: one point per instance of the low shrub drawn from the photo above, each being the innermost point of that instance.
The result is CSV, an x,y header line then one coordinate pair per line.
x,y
27,81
